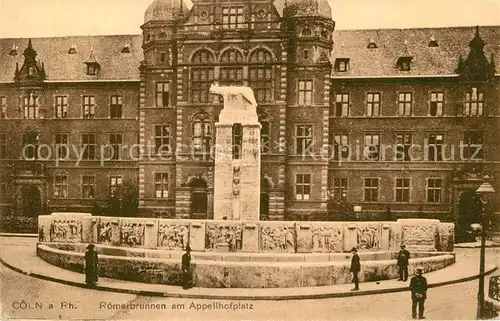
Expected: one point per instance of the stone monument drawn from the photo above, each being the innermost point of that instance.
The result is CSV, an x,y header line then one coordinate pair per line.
x,y
237,156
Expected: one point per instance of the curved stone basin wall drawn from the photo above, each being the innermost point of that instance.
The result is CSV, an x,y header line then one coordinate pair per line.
x,y
246,236
238,270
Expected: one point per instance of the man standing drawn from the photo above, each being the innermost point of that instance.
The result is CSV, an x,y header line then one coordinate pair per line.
x,y
403,258
186,268
418,287
355,268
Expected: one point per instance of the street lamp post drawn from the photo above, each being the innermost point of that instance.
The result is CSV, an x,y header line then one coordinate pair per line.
x,y
484,189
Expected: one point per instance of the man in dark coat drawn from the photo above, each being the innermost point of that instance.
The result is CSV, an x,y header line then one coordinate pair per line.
x,y
186,268
418,287
403,258
355,268
91,265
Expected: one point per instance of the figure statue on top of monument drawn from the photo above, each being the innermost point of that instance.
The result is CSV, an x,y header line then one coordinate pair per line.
x,y
228,92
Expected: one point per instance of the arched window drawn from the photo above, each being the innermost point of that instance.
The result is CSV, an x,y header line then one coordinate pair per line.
x,y
232,73
261,75
202,131
202,76
199,199
265,134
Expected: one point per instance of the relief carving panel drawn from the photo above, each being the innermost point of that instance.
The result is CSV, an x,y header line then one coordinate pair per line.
x,y
280,238
66,231
222,236
368,237
327,239
173,237
418,235
132,234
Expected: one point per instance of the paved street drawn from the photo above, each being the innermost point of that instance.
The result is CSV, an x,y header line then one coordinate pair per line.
x,y
447,302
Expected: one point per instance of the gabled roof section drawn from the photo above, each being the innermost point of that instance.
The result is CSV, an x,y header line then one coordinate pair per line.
x,y
62,66
432,61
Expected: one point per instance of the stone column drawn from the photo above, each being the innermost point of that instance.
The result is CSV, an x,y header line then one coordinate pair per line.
x,y
223,191
250,173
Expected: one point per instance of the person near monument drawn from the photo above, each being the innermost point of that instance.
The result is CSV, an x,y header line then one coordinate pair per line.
x,y
403,258
91,259
355,268
186,268
418,287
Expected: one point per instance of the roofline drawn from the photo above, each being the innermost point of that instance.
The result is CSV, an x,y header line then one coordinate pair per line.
x,y
80,81
420,28
395,76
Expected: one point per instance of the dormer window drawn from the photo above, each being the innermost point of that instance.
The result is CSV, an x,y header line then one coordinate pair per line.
x,y
91,69
404,63
126,48
372,44
72,50
433,43
31,71
342,64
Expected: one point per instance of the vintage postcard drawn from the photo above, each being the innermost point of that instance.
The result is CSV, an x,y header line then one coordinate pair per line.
x,y
249,159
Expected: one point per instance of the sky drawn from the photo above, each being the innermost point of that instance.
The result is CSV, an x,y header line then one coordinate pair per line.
x,y
50,18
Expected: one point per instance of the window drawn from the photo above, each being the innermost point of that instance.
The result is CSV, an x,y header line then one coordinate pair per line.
x,y
371,189
373,104
402,189
231,75
60,186
473,145
437,103
30,107
62,146
88,186
261,77
61,107
30,146
116,107
88,107
305,92
303,136
201,76
162,139
161,185
31,71
162,94
3,146
237,140
3,186
265,134
341,146
372,147
114,184
474,103
339,189
116,140
89,146
233,18
404,104
435,148
342,105
202,133
303,186
404,63
91,69
403,147
341,64
434,190
3,107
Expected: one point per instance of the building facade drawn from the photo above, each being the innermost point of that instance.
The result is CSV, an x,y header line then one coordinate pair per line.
x,y
356,124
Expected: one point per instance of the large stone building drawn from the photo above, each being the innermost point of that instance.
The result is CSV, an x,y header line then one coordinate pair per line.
x,y
346,115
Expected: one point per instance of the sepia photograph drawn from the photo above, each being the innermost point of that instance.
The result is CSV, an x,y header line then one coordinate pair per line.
x,y
249,160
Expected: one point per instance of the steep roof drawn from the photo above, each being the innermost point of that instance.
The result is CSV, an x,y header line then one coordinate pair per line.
x,y
441,60
305,7
60,65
